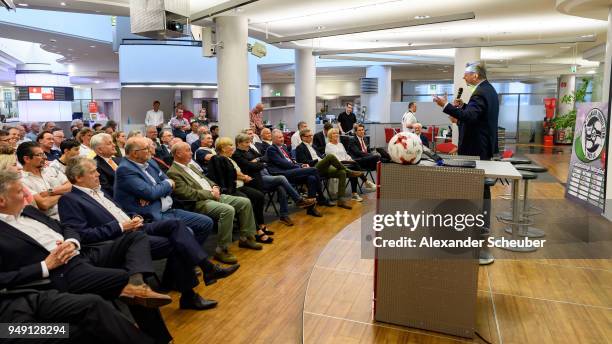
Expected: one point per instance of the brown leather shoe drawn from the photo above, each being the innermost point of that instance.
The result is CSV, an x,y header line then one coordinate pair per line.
x,y
352,173
344,204
306,202
286,220
143,295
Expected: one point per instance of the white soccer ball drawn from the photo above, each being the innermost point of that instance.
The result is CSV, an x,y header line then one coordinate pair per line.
x,y
405,148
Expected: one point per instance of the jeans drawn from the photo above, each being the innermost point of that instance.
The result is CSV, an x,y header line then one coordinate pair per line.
x,y
200,225
283,187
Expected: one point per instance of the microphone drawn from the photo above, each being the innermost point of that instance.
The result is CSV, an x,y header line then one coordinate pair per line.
x,y
459,93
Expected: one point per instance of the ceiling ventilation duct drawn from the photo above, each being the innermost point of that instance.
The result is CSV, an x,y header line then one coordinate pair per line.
x,y
159,19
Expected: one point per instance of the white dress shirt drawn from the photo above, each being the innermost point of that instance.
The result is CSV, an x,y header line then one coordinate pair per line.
x,y
166,201
337,150
295,139
107,204
154,117
187,168
313,152
239,183
86,151
252,145
408,119
37,185
256,138
39,232
56,173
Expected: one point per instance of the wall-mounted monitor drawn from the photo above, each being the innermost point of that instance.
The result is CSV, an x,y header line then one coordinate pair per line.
x,y
45,93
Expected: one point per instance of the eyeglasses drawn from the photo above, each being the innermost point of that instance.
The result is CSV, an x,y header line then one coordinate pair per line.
x,y
40,155
307,135
141,149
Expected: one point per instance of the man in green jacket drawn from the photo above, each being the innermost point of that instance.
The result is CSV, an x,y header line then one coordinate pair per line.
x,y
191,184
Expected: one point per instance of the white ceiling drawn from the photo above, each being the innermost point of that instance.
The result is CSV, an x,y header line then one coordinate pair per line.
x,y
495,20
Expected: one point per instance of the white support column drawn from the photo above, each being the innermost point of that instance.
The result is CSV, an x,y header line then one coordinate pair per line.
x,y
379,104
232,74
305,88
463,56
606,96
187,100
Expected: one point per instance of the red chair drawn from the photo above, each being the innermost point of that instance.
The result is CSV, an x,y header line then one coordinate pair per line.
x,y
446,148
390,132
507,154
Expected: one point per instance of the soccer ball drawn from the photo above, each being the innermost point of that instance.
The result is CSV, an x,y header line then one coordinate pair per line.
x,y
405,148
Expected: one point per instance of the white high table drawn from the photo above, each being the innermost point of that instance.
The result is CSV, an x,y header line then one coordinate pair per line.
x,y
505,170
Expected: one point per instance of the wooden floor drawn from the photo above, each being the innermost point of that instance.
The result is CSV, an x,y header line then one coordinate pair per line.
x,y
311,286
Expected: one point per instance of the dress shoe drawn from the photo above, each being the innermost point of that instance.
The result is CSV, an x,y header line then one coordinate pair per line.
x,y
344,204
306,202
143,295
224,256
196,302
286,220
250,243
218,272
313,212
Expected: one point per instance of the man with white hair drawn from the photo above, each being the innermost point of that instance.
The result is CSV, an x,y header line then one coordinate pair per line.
x,y
107,164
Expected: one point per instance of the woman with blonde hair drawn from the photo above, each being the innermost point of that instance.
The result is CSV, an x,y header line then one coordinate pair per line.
x,y
84,136
119,139
224,171
336,148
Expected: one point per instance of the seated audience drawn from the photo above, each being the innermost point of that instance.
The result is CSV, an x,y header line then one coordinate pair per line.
x,y
15,134
295,138
142,188
48,126
280,162
251,163
83,136
33,247
319,141
6,139
179,125
33,132
196,144
193,136
335,147
57,168
8,162
201,119
214,131
96,218
360,152
266,141
227,174
134,133
418,130
191,184
39,180
163,148
328,166
107,164
58,138
205,152
45,140
97,127
119,140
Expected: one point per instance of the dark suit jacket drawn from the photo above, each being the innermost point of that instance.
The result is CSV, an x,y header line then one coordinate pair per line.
x,y
81,213
20,255
302,155
199,156
277,163
163,153
262,147
252,169
222,171
479,118
107,175
132,185
354,148
318,142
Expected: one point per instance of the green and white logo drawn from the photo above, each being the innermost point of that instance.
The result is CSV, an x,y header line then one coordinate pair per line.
x,y
591,141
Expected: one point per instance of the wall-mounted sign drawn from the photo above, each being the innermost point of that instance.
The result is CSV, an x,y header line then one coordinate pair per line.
x,y
92,107
45,93
41,93
277,93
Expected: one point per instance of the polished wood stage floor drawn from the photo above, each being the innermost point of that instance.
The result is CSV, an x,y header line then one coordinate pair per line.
x,y
311,286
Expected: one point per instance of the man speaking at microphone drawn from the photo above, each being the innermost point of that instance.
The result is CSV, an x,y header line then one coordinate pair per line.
x,y
477,121
478,117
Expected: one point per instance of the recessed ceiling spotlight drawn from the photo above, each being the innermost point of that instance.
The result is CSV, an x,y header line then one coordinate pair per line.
x,y
52,40
97,81
320,27
587,36
23,5
565,47
422,17
239,9
591,72
63,3
92,46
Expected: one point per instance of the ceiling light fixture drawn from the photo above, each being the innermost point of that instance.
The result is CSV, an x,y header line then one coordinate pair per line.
x,y
587,36
23,5
422,17
63,3
92,46
320,27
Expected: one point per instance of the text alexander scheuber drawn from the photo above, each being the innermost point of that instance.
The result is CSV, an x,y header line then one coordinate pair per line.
x,y
458,222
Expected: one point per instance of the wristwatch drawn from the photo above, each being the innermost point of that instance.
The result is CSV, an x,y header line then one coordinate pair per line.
x,y
50,191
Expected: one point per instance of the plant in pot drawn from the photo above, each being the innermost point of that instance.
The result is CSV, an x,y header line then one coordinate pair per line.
x,y
564,124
